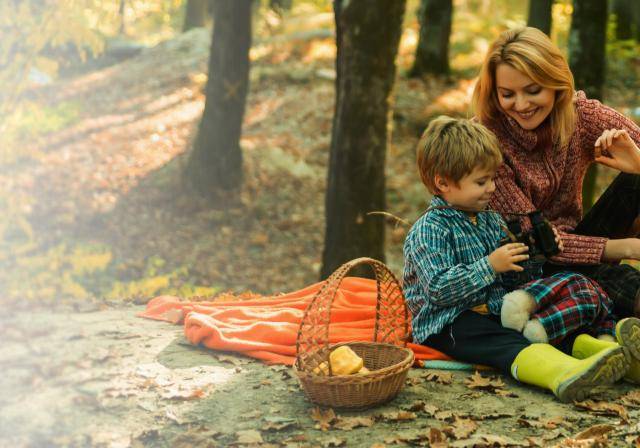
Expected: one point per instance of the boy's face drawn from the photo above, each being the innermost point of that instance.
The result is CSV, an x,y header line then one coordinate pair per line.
x,y
473,191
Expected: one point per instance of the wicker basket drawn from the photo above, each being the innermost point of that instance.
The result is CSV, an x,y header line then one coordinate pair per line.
x,y
387,357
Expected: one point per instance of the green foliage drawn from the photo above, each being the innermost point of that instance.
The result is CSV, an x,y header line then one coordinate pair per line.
x,y
623,64
30,30
31,120
81,270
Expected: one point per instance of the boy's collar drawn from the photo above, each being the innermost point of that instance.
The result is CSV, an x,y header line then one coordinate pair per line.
x,y
447,209
439,204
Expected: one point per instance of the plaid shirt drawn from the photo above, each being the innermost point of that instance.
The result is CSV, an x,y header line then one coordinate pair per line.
x,y
447,270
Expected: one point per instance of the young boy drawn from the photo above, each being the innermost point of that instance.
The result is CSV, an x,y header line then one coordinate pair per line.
x,y
455,270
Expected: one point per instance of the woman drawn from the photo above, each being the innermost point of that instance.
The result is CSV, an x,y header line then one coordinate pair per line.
x,y
549,134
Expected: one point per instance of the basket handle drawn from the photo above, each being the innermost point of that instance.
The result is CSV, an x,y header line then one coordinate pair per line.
x,y
392,316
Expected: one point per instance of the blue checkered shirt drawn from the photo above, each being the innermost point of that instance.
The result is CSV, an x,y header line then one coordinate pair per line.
x,y
447,270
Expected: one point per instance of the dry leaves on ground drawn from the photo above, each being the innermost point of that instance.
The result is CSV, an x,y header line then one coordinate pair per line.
x,y
439,377
604,408
490,384
323,417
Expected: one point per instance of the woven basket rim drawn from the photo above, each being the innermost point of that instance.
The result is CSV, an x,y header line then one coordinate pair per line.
x,y
408,358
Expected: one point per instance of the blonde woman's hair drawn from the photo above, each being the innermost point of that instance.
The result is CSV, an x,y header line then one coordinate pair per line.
x,y
452,148
531,52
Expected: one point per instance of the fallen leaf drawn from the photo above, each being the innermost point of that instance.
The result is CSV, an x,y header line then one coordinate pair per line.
x,y
398,416
419,439
486,440
550,423
348,423
553,434
604,408
461,428
534,441
477,381
248,436
594,432
198,436
259,239
294,439
176,393
323,417
633,441
505,393
631,399
440,377
445,416
492,416
437,438
333,441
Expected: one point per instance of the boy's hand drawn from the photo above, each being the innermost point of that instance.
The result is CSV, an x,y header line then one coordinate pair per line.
x,y
504,258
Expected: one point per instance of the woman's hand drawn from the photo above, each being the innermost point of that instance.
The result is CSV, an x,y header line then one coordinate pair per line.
x,y
615,149
622,249
504,258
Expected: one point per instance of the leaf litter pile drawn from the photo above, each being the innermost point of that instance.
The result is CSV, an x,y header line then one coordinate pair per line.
x,y
110,216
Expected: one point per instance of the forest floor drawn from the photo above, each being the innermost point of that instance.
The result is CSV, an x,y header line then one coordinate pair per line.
x,y
105,221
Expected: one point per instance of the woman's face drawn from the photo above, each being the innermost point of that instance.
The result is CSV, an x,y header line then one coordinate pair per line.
x,y
522,98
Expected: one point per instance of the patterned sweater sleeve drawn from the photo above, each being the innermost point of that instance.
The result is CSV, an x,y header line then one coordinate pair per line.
x,y
508,196
593,119
445,281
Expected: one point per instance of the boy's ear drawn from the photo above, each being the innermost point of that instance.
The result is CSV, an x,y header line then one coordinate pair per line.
x,y
442,183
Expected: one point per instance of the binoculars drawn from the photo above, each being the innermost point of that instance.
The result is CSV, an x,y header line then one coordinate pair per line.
x,y
540,239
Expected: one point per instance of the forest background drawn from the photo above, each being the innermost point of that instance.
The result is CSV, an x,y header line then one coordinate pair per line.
x,y
99,115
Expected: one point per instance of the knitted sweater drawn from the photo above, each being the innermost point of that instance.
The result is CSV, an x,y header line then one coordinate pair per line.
x,y
542,176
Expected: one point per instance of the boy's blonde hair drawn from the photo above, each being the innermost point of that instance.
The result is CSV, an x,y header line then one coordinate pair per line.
x,y
452,148
531,52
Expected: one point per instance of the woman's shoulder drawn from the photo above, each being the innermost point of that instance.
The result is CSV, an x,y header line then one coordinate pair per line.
x,y
593,112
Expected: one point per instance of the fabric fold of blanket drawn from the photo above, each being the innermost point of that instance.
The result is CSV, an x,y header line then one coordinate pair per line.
x,y
267,328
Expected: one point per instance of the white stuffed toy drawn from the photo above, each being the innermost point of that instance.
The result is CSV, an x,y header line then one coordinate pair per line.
x,y
517,307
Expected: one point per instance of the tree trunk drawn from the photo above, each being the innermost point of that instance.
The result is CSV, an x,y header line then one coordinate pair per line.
x,y
587,39
216,161
540,15
367,38
196,14
623,10
121,13
432,53
636,21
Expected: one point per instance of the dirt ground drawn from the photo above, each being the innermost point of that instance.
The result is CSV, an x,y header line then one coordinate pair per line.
x,y
106,378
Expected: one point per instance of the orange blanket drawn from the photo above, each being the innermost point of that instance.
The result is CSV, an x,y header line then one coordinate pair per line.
x,y
267,328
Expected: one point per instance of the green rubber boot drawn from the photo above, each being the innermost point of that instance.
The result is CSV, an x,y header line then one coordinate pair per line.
x,y
569,379
627,334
